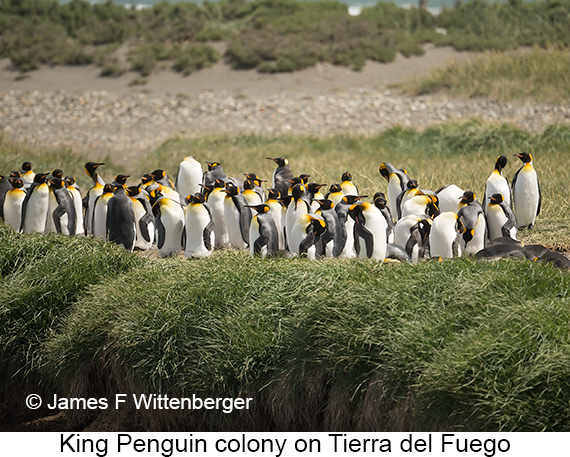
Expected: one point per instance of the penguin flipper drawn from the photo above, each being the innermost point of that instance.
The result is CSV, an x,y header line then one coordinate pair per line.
x,y
161,232
143,226
208,235
539,197
306,243
24,206
368,238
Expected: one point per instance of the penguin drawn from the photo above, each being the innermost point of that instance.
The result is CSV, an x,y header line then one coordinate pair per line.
x,y
251,195
498,184
215,172
468,198
263,235
397,252
333,239
166,191
99,218
5,186
35,206
411,191
27,175
474,235
335,194
501,221
238,217
420,204
92,194
369,231
281,175
397,181
13,203
215,200
161,178
61,212
346,184
297,207
144,219
342,209
382,204
75,193
276,211
121,181
121,220
526,192
256,184
169,222
412,233
448,198
444,236
199,227
57,173
314,193
305,235
146,181
188,178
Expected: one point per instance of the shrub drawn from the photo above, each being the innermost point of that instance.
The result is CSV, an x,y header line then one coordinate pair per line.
x,y
195,57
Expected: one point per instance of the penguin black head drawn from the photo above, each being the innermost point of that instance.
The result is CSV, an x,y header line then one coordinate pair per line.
x,y
304,178
496,199
91,168
318,225
380,203
346,176
335,188
199,198
298,191
207,189
355,211
432,209
41,178
57,173
500,163
313,187
424,228
280,161
259,208
295,180
107,188
69,181
133,191
325,204
524,156
122,179
156,174
468,235
352,199
56,183
147,178
17,183
384,171
379,195
248,184
231,190
273,194
412,184
253,177
27,166
220,184
286,200
467,197
15,174
212,165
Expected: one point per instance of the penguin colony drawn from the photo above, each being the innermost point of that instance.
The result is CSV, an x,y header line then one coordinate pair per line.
x,y
202,211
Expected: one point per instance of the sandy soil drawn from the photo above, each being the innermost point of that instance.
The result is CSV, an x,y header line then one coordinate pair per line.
x,y
322,79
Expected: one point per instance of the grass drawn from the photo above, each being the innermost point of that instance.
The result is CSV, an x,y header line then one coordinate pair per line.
x,y
539,75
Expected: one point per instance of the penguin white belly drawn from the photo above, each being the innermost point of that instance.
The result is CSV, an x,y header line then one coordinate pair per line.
x,y
277,216
216,202
448,198
13,208
294,212
100,219
94,193
348,188
232,218
376,225
415,206
172,219
52,206
348,251
496,218
78,204
443,235
197,219
189,178
479,236
526,196
402,229
497,184
393,191
336,197
140,241
37,211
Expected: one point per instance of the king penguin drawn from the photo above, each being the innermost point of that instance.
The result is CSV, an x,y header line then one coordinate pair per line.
x,y
314,193
297,207
35,206
92,194
335,194
397,180
369,231
215,200
161,178
5,186
189,177
497,184
412,233
333,239
121,220
448,198
282,175
199,227
346,185
61,210
305,235
382,204
144,219
474,236
215,172
263,235
169,222
27,175
342,209
526,192
276,211
444,236
99,218
13,203
501,221
238,216
75,193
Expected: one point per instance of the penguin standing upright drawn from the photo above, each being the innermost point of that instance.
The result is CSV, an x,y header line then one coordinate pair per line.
x,y
35,206
297,207
251,195
501,221
99,218
27,175
169,222
215,200
444,236
526,192
397,181
144,219
411,191
282,175
61,212
382,204
348,251
5,186
121,220
335,194
238,216
92,194
497,183
13,203
189,177
314,194
263,236
333,238
346,184
199,227
369,231
256,184
75,193
276,212
305,235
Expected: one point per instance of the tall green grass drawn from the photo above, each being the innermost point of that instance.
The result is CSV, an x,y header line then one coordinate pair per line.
x,y
539,75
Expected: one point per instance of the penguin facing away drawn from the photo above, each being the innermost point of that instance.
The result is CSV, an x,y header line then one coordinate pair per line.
x,y
199,227
189,177
35,206
121,220
526,192
215,172
444,236
346,185
448,198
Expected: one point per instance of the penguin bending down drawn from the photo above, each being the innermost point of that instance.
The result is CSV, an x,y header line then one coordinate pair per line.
x,y
448,198
144,219
199,227
501,220
263,235
215,173
169,222
412,232
237,215
397,181
99,219
75,193
92,194
61,212
474,228
189,178
369,231
305,235
13,203
35,206
444,236
420,204
498,184
526,192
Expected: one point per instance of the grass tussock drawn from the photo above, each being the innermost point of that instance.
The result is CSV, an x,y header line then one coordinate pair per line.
x,y
540,75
